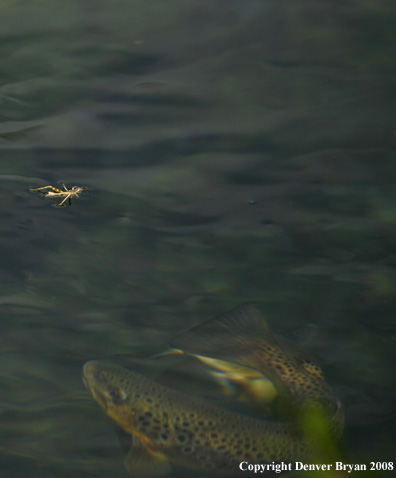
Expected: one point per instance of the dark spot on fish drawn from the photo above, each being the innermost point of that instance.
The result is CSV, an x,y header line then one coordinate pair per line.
x,y
187,449
149,400
148,414
164,436
181,438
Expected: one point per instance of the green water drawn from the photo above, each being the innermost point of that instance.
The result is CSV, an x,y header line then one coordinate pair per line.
x,y
233,151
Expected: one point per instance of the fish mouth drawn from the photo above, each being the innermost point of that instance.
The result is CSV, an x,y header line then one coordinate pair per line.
x,y
92,381
88,373
90,368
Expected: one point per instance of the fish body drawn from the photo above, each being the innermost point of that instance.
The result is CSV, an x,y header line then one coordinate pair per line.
x,y
168,426
265,369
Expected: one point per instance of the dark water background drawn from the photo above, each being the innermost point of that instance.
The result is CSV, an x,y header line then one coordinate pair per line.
x,y
235,151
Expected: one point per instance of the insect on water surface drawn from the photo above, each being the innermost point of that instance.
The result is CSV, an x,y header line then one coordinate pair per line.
x,y
65,193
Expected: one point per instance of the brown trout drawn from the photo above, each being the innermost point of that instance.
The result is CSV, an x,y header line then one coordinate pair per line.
x,y
265,369
170,427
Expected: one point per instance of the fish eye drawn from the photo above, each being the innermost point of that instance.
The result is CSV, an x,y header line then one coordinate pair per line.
x,y
116,394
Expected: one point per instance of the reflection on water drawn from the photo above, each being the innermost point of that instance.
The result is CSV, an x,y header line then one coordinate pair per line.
x,y
234,152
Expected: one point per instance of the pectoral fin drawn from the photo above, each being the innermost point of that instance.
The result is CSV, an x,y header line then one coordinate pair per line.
x,y
145,463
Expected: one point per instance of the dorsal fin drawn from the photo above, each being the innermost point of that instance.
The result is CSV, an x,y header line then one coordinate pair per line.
x,y
228,335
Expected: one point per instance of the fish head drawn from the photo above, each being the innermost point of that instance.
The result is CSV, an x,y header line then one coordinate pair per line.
x,y
115,390
127,398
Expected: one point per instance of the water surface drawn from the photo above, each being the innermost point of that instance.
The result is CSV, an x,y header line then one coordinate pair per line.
x,y
234,151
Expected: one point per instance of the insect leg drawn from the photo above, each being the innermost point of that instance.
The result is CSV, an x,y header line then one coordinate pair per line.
x,y
47,187
67,197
